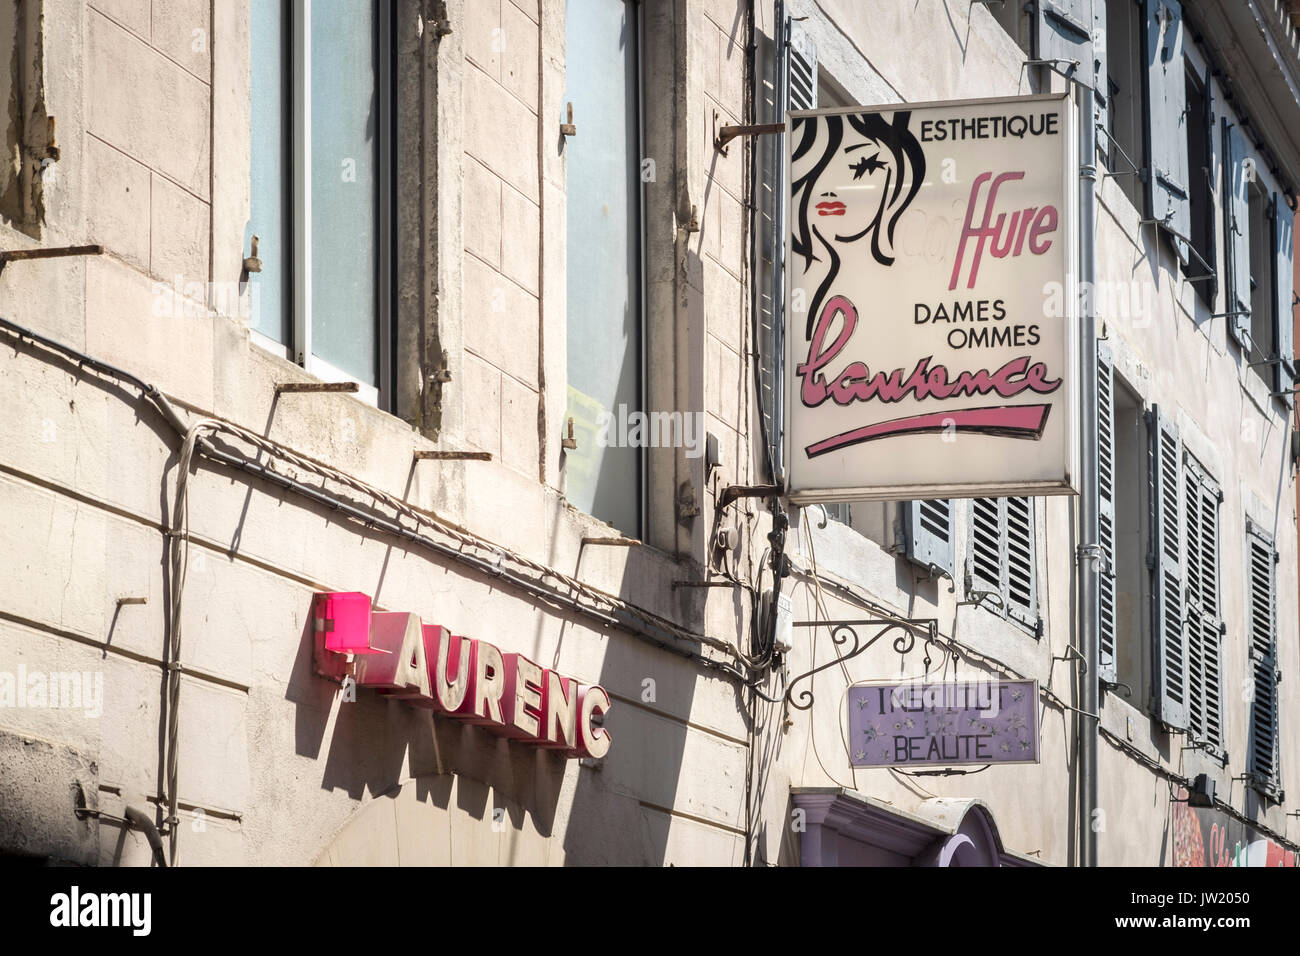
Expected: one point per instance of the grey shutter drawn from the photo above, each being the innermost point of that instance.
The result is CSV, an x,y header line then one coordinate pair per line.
x,y
1236,232
1100,73
984,562
928,531
1167,130
1283,332
1167,593
1203,630
1021,586
769,188
1261,581
790,85
1108,669
1063,30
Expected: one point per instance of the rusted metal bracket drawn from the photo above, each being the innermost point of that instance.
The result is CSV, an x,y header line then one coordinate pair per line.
x,y
453,456
49,252
568,129
284,387
732,492
569,443
727,133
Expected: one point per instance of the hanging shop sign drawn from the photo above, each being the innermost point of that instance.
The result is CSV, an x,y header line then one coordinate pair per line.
x,y
398,655
930,306
914,723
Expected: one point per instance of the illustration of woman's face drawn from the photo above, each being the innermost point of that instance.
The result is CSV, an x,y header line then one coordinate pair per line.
x,y
864,170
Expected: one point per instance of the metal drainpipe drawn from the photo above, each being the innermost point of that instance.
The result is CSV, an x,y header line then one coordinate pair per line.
x,y
1089,562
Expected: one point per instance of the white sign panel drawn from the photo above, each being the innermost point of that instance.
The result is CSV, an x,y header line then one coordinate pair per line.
x,y
931,308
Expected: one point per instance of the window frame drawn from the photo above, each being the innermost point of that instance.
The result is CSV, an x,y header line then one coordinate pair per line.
x,y
642,492
296,94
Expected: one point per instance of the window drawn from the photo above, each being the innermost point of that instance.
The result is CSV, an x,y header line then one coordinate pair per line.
x,y
1000,558
1122,443
1261,313
320,187
1258,237
604,226
1188,623
1124,146
1261,596
1200,165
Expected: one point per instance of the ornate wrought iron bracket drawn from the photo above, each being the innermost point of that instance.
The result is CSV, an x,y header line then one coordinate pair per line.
x,y
842,632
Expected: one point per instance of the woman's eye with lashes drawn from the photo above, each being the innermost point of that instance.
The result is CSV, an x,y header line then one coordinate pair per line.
x,y
868,164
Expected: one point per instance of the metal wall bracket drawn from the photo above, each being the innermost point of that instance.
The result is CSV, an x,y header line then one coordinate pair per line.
x,y
49,252
842,632
727,133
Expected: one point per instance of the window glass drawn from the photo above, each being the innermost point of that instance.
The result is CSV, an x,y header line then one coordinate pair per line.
x,y
269,170
1124,97
1261,285
604,259
344,138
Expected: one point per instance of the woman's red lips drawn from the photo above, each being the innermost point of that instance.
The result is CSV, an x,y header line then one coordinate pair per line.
x,y
830,209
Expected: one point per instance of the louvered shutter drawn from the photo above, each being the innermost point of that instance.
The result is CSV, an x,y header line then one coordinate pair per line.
x,y
1063,30
1263,763
1283,331
1100,74
790,85
928,533
984,562
1106,588
1167,196
1203,629
1236,232
1021,586
1167,593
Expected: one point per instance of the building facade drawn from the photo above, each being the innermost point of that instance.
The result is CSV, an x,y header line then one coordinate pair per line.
x,y
547,292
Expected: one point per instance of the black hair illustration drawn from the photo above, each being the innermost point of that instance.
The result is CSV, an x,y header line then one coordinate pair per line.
x,y
903,176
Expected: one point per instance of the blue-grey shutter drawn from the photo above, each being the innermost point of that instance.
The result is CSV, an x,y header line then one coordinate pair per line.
x,y
1170,643
1282,275
1167,195
1021,583
1100,73
1263,763
1203,629
792,85
1063,31
1108,668
984,560
928,533
1236,232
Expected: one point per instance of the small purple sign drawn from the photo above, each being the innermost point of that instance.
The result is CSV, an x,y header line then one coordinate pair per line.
x,y
906,723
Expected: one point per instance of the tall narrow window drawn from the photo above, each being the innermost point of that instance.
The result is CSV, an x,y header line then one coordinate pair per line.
x,y
271,183
1125,148
1200,173
320,189
604,257
1261,281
